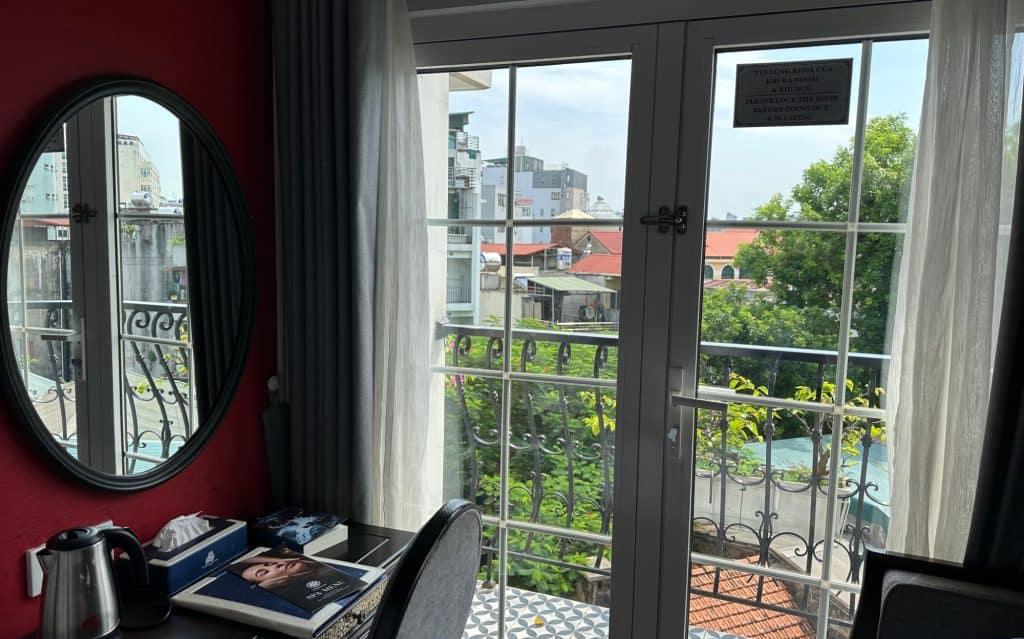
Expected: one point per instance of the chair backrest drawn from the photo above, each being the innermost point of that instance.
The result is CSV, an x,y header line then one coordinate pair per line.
x,y
430,594
907,597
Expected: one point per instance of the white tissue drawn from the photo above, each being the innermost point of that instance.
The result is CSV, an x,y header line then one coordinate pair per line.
x,y
181,530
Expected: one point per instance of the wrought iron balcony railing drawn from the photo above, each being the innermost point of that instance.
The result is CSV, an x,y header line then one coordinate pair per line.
x,y
157,390
751,502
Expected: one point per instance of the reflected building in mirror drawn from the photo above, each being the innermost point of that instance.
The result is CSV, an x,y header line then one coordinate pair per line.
x,y
153,267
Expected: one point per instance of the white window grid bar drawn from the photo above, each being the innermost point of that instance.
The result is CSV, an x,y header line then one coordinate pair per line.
x,y
506,384
845,319
803,225
526,221
519,376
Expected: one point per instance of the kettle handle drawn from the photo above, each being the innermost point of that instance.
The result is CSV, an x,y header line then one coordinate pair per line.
x,y
127,541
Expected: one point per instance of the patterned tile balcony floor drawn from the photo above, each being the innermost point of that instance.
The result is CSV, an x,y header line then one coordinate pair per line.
x,y
532,615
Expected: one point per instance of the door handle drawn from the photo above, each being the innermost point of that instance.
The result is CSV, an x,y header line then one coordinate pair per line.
x,y
704,404
684,401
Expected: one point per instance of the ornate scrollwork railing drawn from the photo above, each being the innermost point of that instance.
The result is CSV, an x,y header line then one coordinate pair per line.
x,y
157,390
157,365
561,451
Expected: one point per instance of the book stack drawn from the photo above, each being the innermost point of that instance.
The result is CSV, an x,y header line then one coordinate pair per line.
x,y
269,589
306,533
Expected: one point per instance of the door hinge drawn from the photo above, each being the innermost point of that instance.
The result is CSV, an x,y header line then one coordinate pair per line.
x,y
665,219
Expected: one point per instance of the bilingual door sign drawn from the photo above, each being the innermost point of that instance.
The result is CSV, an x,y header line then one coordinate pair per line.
x,y
793,93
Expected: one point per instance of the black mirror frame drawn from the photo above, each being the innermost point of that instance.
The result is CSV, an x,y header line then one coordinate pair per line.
x,y
70,103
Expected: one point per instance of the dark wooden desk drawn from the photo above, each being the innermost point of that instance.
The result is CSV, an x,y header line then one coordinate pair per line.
x,y
371,545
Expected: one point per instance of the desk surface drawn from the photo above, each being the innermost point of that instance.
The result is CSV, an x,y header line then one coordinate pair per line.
x,y
371,545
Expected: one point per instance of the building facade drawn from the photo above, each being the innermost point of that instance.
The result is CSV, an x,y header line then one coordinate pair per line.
x,y
541,192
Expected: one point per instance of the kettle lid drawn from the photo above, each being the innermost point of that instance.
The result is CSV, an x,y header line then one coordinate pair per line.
x,y
75,539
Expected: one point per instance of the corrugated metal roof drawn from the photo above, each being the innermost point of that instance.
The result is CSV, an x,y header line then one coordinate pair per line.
x,y
518,250
566,284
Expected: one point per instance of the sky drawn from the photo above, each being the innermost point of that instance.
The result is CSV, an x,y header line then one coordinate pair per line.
x,y
158,129
578,114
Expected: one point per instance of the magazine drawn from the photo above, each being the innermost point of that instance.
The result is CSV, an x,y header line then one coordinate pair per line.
x,y
228,595
305,582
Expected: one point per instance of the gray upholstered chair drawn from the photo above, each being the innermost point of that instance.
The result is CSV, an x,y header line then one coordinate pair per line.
x,y
430,593
912,598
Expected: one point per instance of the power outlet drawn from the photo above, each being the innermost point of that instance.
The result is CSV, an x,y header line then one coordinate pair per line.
x,y
34,571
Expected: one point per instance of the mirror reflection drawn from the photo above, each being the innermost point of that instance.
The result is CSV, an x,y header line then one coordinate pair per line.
x,y
123,226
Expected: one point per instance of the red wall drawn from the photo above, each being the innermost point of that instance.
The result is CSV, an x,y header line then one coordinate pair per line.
x,y
215,54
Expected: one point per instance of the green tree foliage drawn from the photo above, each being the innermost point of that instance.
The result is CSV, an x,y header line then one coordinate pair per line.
x,y
804,269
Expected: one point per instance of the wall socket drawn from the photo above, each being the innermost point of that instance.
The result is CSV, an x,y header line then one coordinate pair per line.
x,y
34,572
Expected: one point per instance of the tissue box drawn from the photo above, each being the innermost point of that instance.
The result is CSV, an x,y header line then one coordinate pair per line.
x,y
171,571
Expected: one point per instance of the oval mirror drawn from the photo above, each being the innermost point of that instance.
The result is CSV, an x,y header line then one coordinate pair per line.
x,y
128,285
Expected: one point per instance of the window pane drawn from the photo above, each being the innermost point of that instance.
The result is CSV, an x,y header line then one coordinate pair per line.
x,y
570,157
749,177
39,293
562,461
158,411
777,328
761,486
472,440
157,408
557,586
465,120
894,115
735,604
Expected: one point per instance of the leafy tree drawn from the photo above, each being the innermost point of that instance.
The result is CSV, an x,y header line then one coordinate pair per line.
x,y
804,269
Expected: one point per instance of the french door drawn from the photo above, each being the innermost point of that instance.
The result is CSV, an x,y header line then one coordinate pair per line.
x,y
795,154
651,312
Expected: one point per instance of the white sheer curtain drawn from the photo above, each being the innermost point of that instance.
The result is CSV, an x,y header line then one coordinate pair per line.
x,y
950,283
400,479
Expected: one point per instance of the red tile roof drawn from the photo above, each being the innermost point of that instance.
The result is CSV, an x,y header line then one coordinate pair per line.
x,y
599,264
745,620
46,221
612,240
725,243
518,250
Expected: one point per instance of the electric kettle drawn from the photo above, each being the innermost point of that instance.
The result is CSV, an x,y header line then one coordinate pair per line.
x,y
79,594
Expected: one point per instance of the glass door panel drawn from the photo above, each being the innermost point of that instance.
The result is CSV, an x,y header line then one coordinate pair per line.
x,y
526,271
802,225
41,307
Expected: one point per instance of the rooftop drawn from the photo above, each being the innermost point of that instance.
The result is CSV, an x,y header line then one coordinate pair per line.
x,y
724,243
599,264
744,619
565,283
518,250
612,240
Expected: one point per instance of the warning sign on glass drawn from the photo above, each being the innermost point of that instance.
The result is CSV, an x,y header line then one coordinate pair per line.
x,y
793,93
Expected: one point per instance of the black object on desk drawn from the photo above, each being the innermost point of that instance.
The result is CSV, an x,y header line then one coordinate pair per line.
x,y
370,545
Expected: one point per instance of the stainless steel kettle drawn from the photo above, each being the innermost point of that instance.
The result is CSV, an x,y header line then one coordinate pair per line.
x,y
79,594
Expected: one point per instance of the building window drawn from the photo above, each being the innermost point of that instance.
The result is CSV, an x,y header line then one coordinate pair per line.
x,y
728,272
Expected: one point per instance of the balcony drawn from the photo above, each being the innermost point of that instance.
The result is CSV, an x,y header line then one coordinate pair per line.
x,y
760,501
459,294
157,417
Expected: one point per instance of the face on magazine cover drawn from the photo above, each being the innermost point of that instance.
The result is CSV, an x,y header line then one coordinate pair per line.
x,y
274,573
